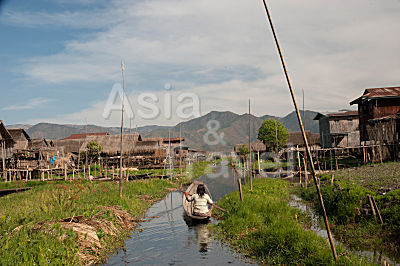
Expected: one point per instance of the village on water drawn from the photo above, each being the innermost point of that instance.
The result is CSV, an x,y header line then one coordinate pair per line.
x,y
308,172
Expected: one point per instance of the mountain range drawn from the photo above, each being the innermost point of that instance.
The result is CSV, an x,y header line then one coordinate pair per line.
x,y
221,134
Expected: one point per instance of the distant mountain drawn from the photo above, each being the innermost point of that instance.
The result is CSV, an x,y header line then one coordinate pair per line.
x,y
59,131
199,132
291,123
23,126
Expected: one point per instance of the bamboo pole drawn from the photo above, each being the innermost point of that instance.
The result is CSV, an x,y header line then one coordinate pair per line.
x,y
377,209
65,172
250,165
3,147
122,129
303,133
240,188
336,159
305,172
298,161
259,165
372,208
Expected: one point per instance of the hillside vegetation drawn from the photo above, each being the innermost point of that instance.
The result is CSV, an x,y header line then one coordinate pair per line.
x,y
233,128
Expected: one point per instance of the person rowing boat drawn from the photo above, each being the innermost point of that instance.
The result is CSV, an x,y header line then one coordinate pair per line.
x,y
201,201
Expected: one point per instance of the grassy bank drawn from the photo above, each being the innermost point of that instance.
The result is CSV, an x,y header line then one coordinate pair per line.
x,y
33,228
349,210
264,226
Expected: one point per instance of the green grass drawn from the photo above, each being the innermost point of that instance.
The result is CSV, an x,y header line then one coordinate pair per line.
x,y
51,201
264,226
375,177
349,210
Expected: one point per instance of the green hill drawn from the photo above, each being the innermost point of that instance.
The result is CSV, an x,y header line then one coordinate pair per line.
x,y
233,129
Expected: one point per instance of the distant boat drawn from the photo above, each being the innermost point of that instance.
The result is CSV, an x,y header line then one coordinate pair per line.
x,y
188,206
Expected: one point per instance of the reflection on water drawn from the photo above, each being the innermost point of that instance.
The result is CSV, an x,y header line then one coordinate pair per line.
x,y
172,239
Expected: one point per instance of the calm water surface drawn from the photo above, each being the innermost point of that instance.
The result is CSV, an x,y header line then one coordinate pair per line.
x,y
170,240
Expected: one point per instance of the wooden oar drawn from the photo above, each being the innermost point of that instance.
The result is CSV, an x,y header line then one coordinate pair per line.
x,y
219,208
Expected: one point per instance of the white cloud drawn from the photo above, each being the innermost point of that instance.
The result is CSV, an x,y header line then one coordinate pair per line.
x,y
333,49
31,104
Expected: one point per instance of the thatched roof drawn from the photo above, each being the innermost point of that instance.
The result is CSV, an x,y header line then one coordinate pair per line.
x,y
69,145
4,133
19,134
296,138
256,145
37,144
111,143
173,140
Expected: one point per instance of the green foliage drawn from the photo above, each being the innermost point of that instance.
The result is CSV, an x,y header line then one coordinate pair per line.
x,y
347,203
270,131
93,150
266,227
243,150
342,205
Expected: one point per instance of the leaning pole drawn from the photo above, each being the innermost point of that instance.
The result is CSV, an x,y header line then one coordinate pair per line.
x,y
308,151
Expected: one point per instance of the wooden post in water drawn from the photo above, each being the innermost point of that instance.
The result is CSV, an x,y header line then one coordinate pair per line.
x,y
305,172
303,133
298,161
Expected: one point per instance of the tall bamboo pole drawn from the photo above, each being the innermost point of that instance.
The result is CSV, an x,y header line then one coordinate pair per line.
x,y
250,165
122,129
180,148
302,131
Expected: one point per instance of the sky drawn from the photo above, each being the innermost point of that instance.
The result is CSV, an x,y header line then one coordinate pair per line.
x,y
61,59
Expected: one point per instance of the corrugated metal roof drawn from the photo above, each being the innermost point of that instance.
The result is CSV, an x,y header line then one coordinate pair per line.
x,y
347,113
382,92
339,114
378,93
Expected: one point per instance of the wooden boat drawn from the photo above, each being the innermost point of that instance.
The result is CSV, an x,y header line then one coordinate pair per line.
x,y
188,206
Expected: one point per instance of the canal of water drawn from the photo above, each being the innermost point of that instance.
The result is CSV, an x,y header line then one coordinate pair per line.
x,y
168,239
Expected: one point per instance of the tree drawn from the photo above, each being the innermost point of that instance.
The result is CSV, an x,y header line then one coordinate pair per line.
x,y
243,151
93,150
273,134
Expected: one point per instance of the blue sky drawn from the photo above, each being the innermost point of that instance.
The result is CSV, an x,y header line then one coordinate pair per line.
x,y
59,59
